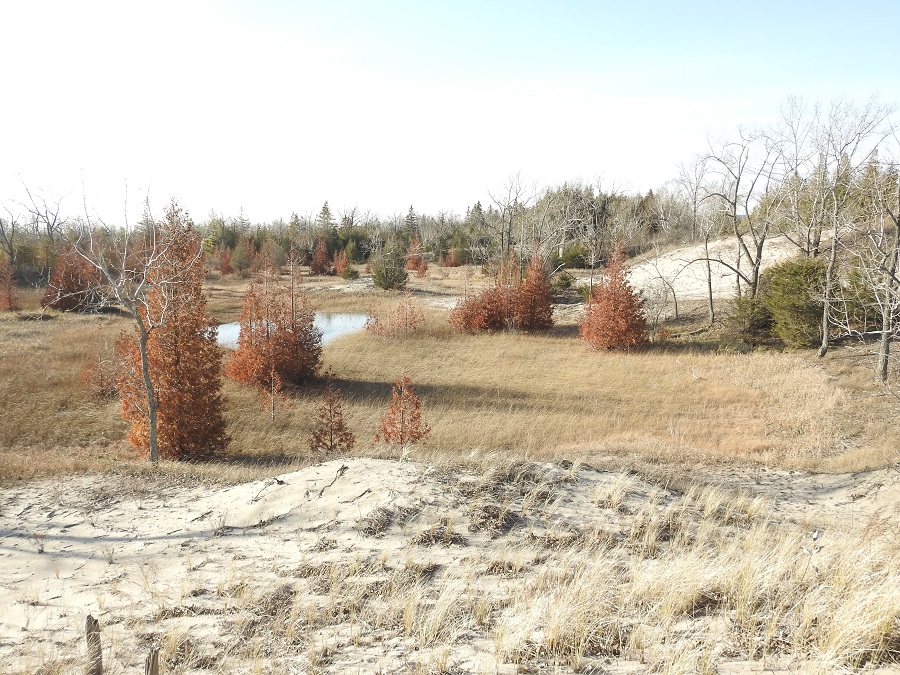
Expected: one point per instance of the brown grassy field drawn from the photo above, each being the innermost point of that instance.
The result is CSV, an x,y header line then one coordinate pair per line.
x,y
543,396
684,536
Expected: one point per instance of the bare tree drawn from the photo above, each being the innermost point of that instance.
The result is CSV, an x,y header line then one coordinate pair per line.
x,y
129,261
746,181
45,215
877,253
704,223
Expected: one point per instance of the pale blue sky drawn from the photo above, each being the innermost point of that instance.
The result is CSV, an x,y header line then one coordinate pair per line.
x,y
278,106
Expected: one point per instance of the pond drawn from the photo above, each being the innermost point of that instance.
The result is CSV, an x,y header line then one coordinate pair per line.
x,y
332,326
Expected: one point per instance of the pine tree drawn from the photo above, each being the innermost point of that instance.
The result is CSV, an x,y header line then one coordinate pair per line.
x,y
402,425
279,345
532,303
320,263
183,357
614,317
331,434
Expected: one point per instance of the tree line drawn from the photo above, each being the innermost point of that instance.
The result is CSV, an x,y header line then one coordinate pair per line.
x,y
822,176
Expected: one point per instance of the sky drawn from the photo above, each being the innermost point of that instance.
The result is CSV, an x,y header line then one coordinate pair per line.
x,y
269,108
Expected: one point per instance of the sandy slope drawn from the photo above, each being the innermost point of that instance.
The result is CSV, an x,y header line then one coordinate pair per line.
x,y
685,268
205,571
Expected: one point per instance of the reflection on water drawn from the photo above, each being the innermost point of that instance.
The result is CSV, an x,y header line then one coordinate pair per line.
x,y
332,326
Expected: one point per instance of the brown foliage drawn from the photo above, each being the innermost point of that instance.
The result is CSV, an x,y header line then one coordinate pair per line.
x,y
451,259
331,434
532,303
402,425
184,359
73,282
225,261
487,311
8,300
341,263
614,317
320,263
406,318
415,258
525,305
279,346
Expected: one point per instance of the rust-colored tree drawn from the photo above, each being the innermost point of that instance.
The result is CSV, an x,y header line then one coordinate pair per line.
x,y
509,303
225,255
8,300
73,282
614,317
331,434
341,262
279,345
182,360
406,319
402,425
532,305
320,264
415,258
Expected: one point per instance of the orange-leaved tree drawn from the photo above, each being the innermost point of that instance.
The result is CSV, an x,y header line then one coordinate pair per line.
x,y
279,345
73,280
532,304
320,262
173,347
614,317
509,303
331,434
402,425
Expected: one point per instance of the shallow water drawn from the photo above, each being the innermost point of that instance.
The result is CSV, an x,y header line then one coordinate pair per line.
x,y
333,326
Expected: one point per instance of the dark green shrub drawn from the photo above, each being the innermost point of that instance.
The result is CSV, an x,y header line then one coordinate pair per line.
x,y
389,271
748,321
793,295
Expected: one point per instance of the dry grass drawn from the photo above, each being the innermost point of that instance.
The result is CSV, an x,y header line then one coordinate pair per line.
x,y
678,582
537,395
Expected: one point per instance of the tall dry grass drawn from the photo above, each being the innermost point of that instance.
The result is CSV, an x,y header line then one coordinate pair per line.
x,y
543,395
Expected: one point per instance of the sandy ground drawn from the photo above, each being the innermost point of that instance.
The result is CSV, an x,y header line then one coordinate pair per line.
x,y
685,270
192,568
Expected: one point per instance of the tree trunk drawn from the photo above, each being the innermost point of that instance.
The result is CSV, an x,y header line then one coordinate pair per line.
x,y
152,400
887,306
709,283
826,303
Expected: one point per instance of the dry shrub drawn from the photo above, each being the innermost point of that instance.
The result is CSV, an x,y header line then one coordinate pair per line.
x,y
341,263
99,375
406,319
73,282
525,305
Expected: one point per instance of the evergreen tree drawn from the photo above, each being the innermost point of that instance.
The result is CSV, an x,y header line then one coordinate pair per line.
x,y
8,300
183,358
614,318
532,302
331,434
279,345
402,425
